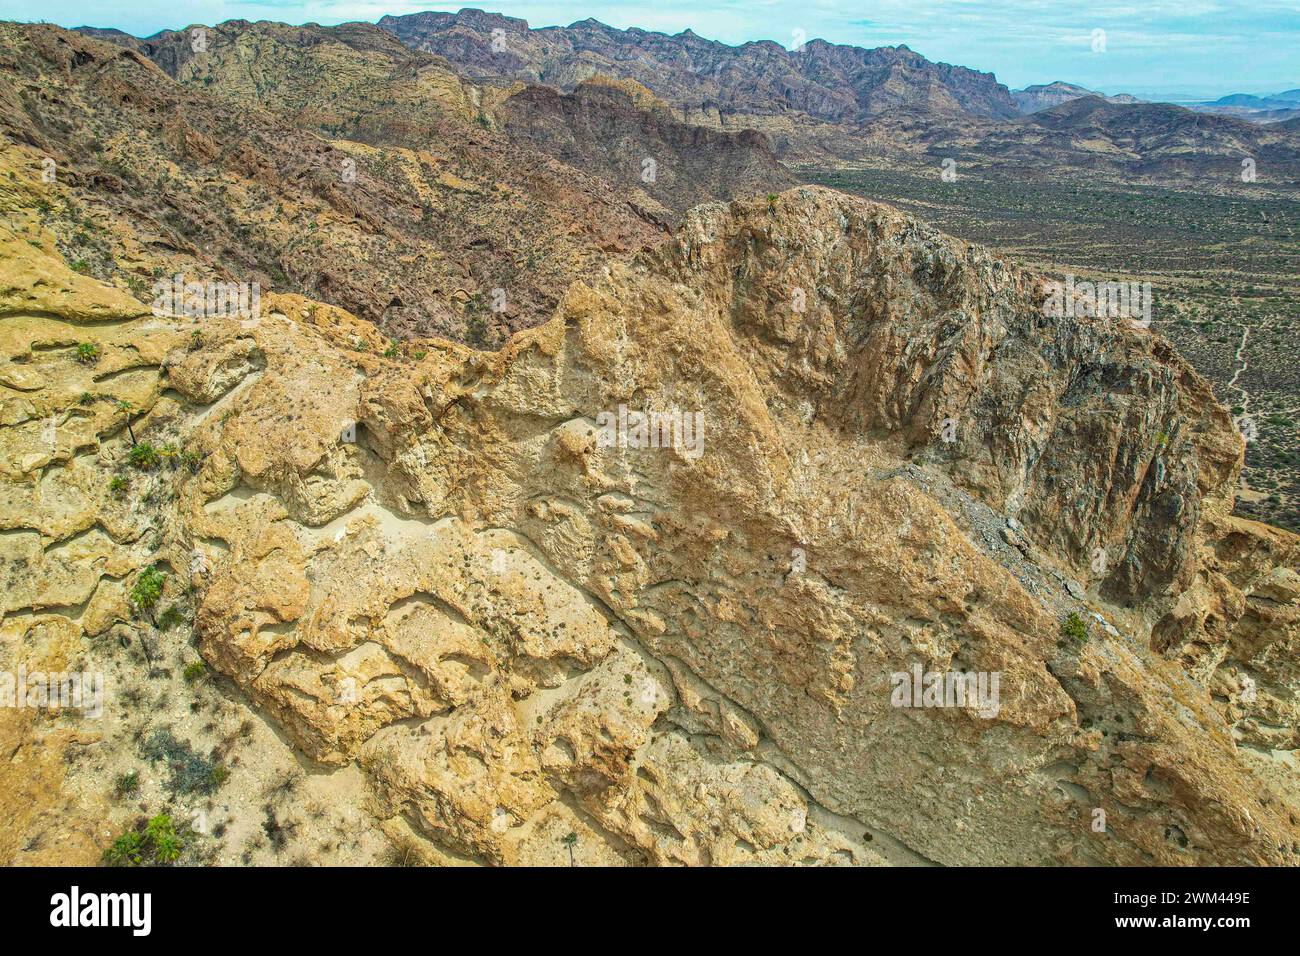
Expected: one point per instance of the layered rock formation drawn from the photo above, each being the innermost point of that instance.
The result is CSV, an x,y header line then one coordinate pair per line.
x,y
434,567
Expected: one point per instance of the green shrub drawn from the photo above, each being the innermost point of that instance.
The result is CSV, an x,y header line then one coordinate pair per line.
x,y
126,850
144,456
117,486
195,672
161,833
190,772
148,588
138,286
1074,628
155,842
87,353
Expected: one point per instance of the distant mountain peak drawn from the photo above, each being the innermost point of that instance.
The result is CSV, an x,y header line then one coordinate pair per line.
x,y
1041,96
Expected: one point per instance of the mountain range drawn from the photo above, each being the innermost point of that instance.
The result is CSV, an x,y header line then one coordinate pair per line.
x,y
825,103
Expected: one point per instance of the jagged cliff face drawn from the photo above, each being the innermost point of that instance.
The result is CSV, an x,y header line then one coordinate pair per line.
x,y
624,135
518,631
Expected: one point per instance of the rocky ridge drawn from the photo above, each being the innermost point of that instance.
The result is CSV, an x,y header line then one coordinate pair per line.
x,y
294,176
820,81
621,132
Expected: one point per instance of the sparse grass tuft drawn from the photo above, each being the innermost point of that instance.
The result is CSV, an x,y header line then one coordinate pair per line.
x,y
127,784
170,618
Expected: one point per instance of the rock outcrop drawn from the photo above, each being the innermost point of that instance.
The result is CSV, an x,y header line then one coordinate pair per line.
x,y
537,634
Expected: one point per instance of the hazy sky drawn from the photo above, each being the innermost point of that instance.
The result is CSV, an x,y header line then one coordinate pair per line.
x,y
1170,48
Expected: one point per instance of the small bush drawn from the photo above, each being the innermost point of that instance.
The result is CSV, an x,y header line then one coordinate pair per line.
x,y
126,850
195,672
148,588
117,486
155,842
144,456
1074,628
87,353
160,832
190,772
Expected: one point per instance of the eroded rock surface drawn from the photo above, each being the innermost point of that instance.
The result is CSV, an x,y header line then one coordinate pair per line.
x,y
431,567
